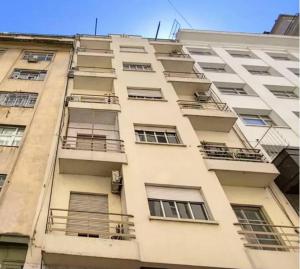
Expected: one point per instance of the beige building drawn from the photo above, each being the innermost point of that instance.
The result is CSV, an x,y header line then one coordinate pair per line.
x,y
33,73
146,176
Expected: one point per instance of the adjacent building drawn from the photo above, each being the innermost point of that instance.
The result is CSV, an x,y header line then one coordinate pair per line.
x,y
286,24
153,168
33,77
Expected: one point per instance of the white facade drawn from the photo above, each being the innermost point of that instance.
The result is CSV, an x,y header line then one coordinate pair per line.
x,y
233,54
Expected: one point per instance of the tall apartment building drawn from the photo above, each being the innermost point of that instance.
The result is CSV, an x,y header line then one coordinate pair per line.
x,y
145,177
258,77
33,76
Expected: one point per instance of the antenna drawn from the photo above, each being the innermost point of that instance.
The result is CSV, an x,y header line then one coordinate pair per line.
x,y
96,24
175,27
158,26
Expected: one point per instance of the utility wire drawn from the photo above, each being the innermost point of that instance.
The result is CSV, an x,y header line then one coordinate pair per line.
x,y
177,11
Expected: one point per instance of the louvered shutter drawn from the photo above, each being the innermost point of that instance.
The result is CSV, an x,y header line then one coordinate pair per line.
x,y
85,218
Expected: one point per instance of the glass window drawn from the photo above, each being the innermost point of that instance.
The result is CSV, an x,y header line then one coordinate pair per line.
x,y
233,90
17,99
38,56
184,210
137,67
157,136
11,136
26,74
170,209
285,94
199,211
260,120
155,208
214,69
149,94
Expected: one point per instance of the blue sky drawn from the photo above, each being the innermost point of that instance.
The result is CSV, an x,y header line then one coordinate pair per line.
x,y
140,16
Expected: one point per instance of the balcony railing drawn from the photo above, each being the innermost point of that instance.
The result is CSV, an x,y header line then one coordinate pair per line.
x,y
210,105
94,69
173,55
105,51
270,237
91,224
90,98
211,151
184,74
92,143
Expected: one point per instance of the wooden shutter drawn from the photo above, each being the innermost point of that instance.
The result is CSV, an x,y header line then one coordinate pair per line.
x,y
88,215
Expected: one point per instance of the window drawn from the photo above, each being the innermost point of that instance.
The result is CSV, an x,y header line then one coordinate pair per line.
x,y
17,99
200,52
253,220
295,71
281,57
11,135
156,135
177,203
259,72
240,54
26,74
2,180
214,69
38,56
142,93
137,67
2,51
258,120
136,49
233,90
285,94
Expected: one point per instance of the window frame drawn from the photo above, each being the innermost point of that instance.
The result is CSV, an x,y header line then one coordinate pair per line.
x,y
263,118
37,75
139,132
42,56
284,94
128,47
234,91
134,67
141,97
189,203
2,180
27,101
14,139
214,69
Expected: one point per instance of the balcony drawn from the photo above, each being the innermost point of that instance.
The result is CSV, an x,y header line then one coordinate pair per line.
x,y
208,115
238,166
90,57
87,239
91,144
101,102
187,81
175,61
271,246
94,78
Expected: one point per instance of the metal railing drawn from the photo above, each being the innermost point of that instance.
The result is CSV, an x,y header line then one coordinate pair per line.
x,y
184,74
173,55
92,143
90,98
211,151
210,105
269,237
91,224
95,69
105,51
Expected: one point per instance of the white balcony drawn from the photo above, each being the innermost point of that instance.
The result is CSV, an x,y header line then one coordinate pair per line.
x,y
208,115
238,166
187,81
87,57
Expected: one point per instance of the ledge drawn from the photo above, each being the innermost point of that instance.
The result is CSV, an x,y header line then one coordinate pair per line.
x,y
161,144
142,99
150,71
185,220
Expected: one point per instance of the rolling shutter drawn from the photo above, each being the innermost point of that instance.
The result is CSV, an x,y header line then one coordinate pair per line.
x,y
84,218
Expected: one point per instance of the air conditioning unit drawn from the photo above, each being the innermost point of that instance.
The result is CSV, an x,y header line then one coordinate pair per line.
x,y
116,182
201,96
33,59
71,74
